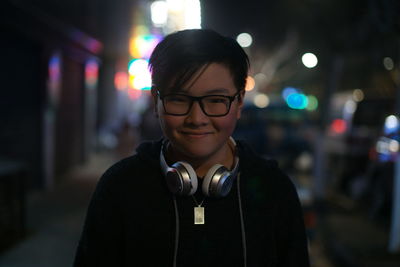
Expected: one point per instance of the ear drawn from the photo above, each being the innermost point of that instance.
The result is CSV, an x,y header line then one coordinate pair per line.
x,y
154,95
240,100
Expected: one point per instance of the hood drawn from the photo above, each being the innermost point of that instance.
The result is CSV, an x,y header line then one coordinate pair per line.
x,y
150,151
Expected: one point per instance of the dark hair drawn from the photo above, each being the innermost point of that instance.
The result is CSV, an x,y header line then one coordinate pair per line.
x,y
181,54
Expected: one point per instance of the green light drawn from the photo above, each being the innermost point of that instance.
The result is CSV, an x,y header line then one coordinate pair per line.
x,y
312,103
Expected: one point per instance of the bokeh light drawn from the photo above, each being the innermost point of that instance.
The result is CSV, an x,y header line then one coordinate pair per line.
x,y
54,68
394,146
388,63
141,46
250,83
288,91
358,95
297,101
309,60
391,125
312,103
91,73
339,126
350,107
175,5
137,66
244,39
140,76
134,94
261,101
141,82
121,80
54,79
159,13
192,14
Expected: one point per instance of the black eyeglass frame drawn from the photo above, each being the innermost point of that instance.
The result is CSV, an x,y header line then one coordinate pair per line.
x,y
199,100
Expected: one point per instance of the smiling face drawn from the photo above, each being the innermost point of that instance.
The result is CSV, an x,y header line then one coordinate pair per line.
x,y
196,137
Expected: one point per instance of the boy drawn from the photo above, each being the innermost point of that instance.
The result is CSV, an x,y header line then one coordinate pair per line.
x,y
197,197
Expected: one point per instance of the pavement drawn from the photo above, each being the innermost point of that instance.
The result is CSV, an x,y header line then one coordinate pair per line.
x,y
54,218
351,238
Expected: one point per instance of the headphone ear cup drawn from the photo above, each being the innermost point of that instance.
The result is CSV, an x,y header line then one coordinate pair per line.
x,y
212,181
187,177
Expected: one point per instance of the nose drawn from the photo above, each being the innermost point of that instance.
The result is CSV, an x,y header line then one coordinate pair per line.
x,y
196,116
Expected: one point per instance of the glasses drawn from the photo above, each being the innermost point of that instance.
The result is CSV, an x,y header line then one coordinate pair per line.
x,y
211,105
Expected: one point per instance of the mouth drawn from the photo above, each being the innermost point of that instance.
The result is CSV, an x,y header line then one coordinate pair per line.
x,y
196,134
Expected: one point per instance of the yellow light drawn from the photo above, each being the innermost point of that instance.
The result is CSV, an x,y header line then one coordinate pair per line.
x,y
134,47
261,100
141,46
394,146
250,83
358,95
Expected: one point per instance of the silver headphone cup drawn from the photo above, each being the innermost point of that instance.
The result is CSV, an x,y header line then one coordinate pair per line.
x,y
173,182
221,183
186,184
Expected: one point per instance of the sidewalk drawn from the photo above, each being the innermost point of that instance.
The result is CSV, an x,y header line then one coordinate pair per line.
x,y
55,218
353,240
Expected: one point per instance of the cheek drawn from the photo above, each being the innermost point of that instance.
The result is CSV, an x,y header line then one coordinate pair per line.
x,y
226,124
169,123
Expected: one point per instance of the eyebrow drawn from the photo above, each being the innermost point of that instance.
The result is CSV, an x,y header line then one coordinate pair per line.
x,y
209,92
218,91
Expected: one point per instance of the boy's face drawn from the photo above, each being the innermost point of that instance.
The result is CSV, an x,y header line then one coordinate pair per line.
x,y
196,136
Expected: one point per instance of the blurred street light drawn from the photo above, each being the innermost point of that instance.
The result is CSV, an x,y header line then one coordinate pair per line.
x,y
358,95
309,60
261,101
388,63
250,83
244,39
175,5
312,103
159,13
192,14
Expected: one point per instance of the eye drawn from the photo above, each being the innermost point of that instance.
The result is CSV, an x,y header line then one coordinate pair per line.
x,y
176,98
217,100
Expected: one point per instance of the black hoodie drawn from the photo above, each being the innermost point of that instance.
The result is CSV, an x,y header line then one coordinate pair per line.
x,y
131,220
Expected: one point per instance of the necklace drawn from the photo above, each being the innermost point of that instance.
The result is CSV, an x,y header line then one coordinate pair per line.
x,y
199,212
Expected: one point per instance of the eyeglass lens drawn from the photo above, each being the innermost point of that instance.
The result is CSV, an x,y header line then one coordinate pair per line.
x,y
211,105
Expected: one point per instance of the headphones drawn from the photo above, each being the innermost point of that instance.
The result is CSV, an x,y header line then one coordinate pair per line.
x,y
182,179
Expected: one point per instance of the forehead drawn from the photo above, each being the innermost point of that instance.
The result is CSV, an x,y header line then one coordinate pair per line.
x,y
214,78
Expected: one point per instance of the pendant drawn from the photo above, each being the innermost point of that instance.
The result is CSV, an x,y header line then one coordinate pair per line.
x,y
199,215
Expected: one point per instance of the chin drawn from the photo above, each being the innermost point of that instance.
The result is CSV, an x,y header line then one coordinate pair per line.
x,y
200,151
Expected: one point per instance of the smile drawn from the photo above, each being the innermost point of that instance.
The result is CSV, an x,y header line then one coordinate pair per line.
x,y
196,134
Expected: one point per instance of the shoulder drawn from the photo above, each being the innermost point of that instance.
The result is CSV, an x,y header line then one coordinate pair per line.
x,y
253,163
138,168
261,173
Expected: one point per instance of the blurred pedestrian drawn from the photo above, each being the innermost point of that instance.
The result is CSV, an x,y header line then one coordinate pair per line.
x,y
197,197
